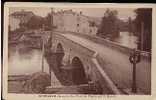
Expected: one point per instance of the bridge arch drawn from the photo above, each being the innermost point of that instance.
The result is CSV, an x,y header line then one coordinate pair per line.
x,y
60,54
78,72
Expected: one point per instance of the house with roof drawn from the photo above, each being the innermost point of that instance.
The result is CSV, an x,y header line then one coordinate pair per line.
x,y
18,18
68,20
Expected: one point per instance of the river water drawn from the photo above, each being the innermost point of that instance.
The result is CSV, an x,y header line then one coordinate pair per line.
x,y
127,40
25,61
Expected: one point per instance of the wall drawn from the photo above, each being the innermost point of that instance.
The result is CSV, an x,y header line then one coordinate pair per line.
x,y
14,23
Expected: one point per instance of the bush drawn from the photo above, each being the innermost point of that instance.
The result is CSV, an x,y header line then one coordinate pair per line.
x,y
38,82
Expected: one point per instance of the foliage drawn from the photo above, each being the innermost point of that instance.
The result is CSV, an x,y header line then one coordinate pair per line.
x,y
35,22
38,82
16,31
144,15
48,19
109,27
130,25
92,24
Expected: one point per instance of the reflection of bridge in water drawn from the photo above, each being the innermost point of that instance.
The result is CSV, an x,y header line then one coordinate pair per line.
x,y
79,59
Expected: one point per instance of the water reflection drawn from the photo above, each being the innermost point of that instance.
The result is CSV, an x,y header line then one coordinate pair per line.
x,y
23,60
127,40
26,61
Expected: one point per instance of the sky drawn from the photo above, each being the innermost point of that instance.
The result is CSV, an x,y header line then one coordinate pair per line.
x,y
123,13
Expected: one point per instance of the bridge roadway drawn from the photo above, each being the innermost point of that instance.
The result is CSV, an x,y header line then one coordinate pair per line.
x,y
120,71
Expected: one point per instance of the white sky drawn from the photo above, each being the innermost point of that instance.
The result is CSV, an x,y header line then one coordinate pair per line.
x,y
123,13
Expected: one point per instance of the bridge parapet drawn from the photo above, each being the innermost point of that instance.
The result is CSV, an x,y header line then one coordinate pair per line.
x,y
102,75
76,46
111,44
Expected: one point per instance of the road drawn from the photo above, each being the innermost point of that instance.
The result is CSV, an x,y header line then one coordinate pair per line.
x,y
117,64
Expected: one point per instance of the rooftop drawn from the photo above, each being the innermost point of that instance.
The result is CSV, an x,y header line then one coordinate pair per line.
x,y
22,12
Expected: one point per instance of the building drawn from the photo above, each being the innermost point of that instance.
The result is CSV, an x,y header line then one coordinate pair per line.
x,y
19,18
14,23
68,20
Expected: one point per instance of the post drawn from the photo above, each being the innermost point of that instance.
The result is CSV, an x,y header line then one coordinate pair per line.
x,y
51,35
130,26
42,55
134,87
52,22
142,36
51,16
134,59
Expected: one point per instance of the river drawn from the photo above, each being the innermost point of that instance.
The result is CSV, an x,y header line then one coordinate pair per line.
x,y
25,61
127,40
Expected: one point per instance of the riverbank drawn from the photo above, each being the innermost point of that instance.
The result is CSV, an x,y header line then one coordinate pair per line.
x,y
15,87
34,83
16,82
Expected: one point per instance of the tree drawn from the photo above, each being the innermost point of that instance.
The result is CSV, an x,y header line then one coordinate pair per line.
x,y
92,23
144,15
130,25
47,21
109,27
35,22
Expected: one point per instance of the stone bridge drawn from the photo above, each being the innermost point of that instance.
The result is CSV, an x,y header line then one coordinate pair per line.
x,y
101,61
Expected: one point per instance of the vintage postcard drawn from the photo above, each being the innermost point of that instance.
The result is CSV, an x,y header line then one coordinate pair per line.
x,y
79,51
